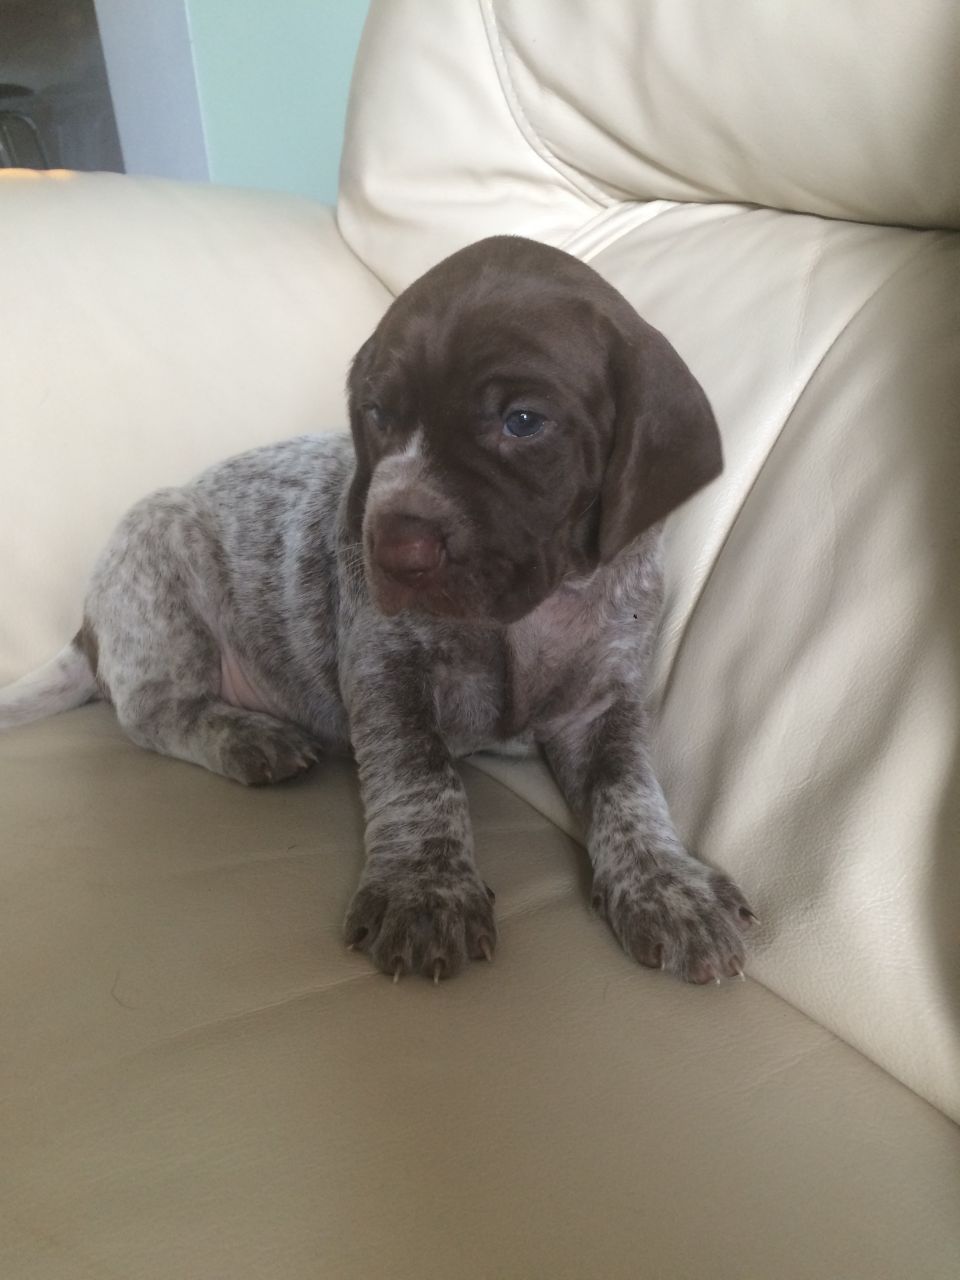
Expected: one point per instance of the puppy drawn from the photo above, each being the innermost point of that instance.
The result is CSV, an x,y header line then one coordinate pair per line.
x,y
478,568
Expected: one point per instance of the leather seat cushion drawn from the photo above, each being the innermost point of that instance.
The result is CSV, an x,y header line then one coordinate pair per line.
x,y
187,1042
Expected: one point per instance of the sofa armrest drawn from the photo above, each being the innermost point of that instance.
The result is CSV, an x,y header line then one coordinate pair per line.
x,y
150,328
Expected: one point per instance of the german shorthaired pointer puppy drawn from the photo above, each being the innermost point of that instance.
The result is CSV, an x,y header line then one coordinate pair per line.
x,y
479,568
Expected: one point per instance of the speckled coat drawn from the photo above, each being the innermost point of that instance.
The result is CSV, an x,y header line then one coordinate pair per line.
x,y
514,410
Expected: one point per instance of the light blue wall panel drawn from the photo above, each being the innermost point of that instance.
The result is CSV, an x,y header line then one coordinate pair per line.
x,y
272,79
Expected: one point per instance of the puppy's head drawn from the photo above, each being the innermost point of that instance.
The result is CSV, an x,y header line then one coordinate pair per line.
x,y
516,423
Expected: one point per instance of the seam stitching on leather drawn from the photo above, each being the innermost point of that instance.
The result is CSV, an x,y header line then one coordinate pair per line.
x,y
578,182
798,1008
355,254
622,219
772,444
508,785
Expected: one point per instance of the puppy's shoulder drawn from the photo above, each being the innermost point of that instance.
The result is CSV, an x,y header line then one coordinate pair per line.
x,y
296,463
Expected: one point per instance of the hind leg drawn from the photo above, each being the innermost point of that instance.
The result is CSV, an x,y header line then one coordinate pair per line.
x,y
158,659
247,746
176,709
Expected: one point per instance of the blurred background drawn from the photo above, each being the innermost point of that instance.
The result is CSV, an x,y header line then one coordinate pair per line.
x,y
241,92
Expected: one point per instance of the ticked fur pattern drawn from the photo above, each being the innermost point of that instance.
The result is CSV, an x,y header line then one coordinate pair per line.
x,y
244,623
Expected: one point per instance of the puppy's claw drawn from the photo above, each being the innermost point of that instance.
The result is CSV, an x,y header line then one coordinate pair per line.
x,y
487,951
437,970
397,972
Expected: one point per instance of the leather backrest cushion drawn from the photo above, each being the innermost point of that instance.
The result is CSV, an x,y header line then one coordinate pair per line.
x,y
536,116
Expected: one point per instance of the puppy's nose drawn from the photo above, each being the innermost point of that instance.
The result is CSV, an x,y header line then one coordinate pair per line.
x,y
407,548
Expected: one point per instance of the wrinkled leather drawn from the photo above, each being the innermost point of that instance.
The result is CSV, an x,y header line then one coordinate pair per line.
x,y
830,666
150,329
196,1078
535,116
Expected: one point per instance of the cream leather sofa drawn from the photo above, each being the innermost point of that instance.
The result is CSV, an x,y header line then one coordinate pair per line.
x,y
198,1080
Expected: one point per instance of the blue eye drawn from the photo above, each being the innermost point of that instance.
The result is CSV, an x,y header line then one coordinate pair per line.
x,y
523,423
376,415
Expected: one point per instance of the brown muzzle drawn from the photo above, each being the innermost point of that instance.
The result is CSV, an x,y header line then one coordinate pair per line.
x,y
408,549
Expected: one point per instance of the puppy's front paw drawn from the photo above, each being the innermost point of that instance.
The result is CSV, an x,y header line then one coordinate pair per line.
x,y
679,916
409,922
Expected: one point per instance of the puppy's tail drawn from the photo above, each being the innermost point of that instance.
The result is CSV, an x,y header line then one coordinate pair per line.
x,y
66,681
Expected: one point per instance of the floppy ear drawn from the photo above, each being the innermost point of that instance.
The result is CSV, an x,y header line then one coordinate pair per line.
x,y
666,444
356,391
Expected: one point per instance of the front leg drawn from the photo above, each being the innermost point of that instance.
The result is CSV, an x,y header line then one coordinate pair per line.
x,y
421,905
667,909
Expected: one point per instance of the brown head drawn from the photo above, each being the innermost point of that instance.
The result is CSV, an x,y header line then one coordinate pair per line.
x,y
516,423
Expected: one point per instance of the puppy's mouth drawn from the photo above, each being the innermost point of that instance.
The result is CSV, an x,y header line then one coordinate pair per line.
x,y
451,591
417,565
392,598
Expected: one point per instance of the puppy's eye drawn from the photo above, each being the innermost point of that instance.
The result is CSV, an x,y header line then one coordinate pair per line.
x,y
376,415
522,423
